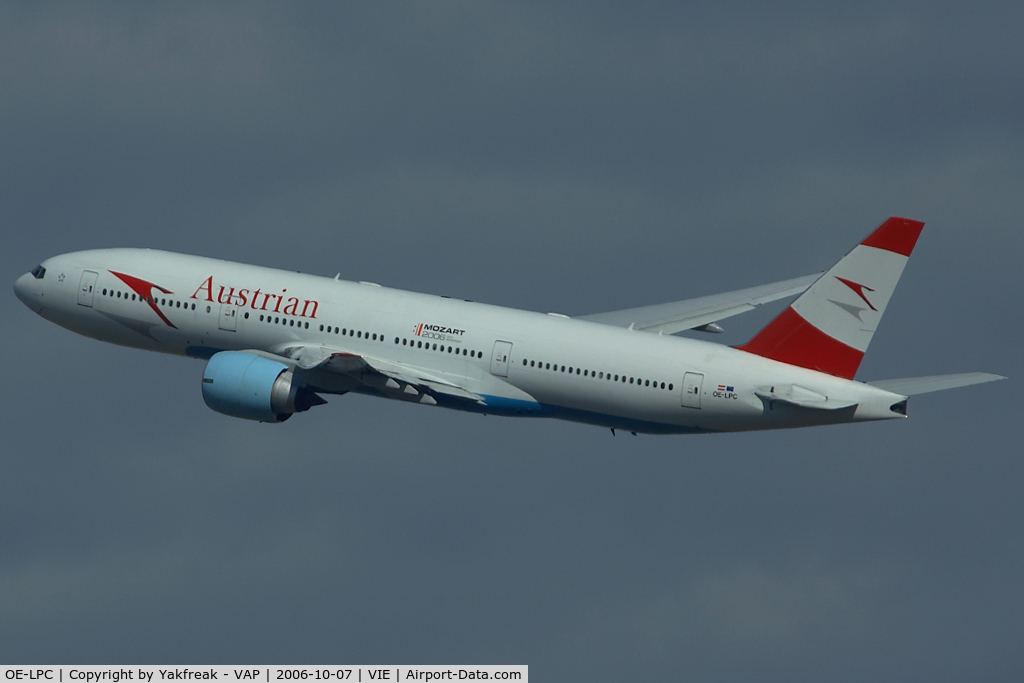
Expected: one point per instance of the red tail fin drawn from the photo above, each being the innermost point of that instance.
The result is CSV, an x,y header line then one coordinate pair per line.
x,y
828,328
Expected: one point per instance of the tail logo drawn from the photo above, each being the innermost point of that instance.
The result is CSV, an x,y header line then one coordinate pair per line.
x,y
859,289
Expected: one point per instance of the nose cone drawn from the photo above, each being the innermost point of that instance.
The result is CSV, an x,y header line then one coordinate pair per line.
x,y
28,290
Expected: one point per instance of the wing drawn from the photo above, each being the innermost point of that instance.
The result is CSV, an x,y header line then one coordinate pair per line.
x,y
689,314
393,379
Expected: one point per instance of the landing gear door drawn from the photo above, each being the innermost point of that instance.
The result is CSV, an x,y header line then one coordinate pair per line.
x,y
499,358
228,317
693,383
87,288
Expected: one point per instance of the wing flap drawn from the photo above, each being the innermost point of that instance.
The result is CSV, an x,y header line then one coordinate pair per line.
x,y
382,375
688,314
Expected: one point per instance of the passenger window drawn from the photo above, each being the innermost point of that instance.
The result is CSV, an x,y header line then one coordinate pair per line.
x,y
419,345
247,315
670,387
435,347
193,307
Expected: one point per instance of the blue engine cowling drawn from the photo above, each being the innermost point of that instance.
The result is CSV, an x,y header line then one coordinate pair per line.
x,y
245,385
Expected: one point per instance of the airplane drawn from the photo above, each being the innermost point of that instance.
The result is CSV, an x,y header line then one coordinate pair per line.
x,y
275,342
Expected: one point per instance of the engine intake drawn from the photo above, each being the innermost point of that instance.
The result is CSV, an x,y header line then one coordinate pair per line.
x,y
251,387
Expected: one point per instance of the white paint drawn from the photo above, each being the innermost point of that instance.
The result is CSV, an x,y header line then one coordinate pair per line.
x,y
449,377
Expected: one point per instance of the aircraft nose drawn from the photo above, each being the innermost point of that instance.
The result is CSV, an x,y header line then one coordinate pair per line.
x,y
25,289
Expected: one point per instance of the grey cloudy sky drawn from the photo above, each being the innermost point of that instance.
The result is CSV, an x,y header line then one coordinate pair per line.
x,y
578,158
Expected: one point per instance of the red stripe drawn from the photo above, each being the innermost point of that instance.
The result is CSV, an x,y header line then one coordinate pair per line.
x,y
896,234
791,339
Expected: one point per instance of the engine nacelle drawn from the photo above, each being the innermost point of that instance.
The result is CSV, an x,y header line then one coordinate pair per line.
x,y
245,385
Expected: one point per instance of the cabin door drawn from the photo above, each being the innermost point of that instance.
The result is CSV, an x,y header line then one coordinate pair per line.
x,y
87,288
693,382
499,358
228,317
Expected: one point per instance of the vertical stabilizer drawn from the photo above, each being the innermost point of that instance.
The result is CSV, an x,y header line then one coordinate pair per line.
x,y
828,328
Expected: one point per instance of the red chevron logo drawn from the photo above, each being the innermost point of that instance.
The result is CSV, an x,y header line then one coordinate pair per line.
x,y
145,291
859,289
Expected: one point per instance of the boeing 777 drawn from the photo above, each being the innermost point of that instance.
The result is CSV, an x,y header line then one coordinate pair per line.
x,y
276,342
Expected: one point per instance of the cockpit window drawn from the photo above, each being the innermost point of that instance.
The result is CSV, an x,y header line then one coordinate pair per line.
x,y
38,272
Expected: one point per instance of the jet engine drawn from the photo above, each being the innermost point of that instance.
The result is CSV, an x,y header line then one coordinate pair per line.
x,y
251,387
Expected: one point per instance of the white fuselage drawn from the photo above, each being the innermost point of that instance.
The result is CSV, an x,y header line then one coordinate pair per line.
x,y
522,363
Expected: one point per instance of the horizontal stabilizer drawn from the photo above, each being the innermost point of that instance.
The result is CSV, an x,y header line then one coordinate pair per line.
x,y
912,386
